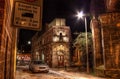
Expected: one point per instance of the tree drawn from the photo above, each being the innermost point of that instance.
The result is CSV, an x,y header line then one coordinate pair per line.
x,y
80,42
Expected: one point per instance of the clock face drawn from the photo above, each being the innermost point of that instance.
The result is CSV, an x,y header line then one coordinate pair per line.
x,y
30,0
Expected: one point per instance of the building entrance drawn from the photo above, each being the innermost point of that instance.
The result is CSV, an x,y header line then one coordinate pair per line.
x,y
60,56
60,60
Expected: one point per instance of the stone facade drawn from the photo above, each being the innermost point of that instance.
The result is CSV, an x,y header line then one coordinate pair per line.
x,y
7,41
106,36
53,46
97,46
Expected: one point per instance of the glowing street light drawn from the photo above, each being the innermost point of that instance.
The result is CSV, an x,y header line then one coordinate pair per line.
x,y
29,42
81,15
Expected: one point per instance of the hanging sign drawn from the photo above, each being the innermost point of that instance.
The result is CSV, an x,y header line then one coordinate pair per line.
x,y
27,15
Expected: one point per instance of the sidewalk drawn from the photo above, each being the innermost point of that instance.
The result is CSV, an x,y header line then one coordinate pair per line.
x,y
77,73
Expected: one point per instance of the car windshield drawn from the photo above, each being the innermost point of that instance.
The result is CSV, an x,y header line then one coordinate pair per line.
x,y
39,62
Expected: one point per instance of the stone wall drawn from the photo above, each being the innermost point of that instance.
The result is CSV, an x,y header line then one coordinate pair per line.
x,y
97,46
7,41
1,46
110,30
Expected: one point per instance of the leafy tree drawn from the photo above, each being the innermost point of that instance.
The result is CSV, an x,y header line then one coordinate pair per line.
x,y
80,42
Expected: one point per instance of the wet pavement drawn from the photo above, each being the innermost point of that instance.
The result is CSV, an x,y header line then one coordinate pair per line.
x,y
54,73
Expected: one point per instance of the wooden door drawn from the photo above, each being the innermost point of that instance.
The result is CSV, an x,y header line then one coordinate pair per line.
x,y
60,60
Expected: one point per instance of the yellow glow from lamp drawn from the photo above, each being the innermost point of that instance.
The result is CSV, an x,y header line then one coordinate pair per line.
x,y
118,24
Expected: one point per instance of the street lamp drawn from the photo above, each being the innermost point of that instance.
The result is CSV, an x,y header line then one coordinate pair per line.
x,y
29,42
81,15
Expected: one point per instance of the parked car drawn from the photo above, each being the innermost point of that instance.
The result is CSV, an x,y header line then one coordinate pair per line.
x,y
38,66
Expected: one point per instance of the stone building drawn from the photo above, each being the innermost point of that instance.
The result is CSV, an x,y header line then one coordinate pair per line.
x,y
105,27
8,35
53,46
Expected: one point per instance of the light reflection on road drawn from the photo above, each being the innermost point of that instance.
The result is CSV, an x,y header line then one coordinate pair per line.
x,y
24,73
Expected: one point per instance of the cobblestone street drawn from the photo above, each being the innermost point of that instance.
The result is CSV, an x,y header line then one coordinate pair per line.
x,y
24,73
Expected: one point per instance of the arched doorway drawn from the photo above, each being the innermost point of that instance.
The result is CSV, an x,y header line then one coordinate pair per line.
x,y
60,57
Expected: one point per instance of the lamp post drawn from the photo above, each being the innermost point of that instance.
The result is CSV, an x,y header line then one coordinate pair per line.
x,y
81,15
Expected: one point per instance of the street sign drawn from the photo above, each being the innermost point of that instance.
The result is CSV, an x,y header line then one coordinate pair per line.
x,y
27,15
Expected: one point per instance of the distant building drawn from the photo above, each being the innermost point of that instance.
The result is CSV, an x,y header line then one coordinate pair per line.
x,y
23,59
53,46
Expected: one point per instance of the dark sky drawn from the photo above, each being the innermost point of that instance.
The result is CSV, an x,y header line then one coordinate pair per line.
x,y
59,9
65,9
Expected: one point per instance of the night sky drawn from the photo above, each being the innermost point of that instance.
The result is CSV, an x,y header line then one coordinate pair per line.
x,y
59,9
65,9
